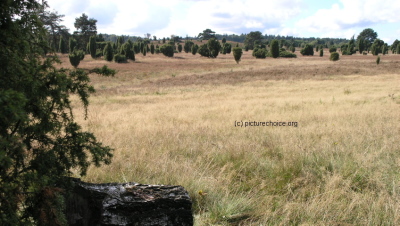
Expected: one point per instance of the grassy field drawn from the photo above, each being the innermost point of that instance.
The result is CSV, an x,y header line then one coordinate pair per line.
x,y
178,121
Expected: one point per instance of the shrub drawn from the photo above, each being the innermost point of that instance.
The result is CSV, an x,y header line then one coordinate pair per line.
x,y
293,49
92,46
108,52
214,47
126,50
378,60
308,50
203,51
119,58
260,53
321,52
72,44
334,56
180,48
75,57
332,49
237,53
152,48
194,49
287,54
274,48
167,50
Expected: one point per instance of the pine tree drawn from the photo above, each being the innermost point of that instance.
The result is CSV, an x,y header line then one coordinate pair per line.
x,y
321,52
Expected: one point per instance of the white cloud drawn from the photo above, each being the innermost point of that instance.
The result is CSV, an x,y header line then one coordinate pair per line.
x,y
342,20
163,18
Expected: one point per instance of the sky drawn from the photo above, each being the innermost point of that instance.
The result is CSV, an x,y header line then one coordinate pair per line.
x,y
299,18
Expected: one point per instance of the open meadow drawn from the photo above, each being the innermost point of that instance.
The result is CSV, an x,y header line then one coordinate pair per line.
x,y
189,120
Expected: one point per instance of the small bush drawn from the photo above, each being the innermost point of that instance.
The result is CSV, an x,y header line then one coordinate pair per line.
x,y
237,53
378,60
334,56
332,49
308,50
274,48
167,50
260,53
321,52
287,54
75,57
108,52
118,58
99,53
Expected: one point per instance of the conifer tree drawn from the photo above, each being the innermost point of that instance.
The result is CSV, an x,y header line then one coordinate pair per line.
x,y
92,46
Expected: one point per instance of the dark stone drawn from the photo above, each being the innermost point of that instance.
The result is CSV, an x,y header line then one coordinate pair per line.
x,y
128,204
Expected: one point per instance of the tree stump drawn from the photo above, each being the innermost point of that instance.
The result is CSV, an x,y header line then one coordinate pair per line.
x,y
128,204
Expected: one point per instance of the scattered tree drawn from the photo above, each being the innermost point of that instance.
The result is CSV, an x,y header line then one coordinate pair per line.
x,y
308,50
152,48
92,46
274,48
237,53
108,52
194,49
253,39
321,52
259,53
85,27
334,56
213,47
367,36
76,57
206,34
167,50
72,44
180,48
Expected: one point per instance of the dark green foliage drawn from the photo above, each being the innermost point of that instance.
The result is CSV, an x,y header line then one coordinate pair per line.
x,y
308,50
274,48
167,50
361,45
259,53
293,49
334,56
316,49
375,50
152,48
332,49
72,44
206,34
119,58
394,46
287,54
180,48
398,49
62,46
378,60
92,46
194,49
368,36
108,52
214,47
203,51
321,52
144,52
253,39
246,48
101,45
120,41
127,51
384,49
147,48
40,142
228,48
224,40
237,53
75,57
163,40
188,46
136,47
85,28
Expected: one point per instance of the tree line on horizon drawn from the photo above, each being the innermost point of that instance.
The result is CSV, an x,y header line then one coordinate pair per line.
x,y
85,40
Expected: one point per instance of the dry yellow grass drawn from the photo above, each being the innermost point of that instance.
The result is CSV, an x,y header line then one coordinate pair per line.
x,y
172,121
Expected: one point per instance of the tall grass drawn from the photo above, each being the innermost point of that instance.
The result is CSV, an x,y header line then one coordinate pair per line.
x,y
340,165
